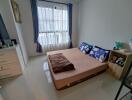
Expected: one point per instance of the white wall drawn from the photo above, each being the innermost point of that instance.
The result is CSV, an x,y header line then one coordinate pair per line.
x,y
74,23
14,29
22,42
8,18
19,32
101,22
27,25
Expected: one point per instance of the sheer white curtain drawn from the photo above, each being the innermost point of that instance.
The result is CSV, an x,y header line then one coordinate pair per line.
x,y
53,26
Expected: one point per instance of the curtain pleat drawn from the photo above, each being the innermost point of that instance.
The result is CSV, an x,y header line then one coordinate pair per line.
x,y
70,22
35,24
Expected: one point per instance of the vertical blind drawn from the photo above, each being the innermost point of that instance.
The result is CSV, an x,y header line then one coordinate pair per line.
x,y
53,26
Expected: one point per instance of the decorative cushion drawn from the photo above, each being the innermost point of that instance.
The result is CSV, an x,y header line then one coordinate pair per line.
x,y
99,53
85,48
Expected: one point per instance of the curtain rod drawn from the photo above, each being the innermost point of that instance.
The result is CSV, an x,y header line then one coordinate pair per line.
x,y
54,2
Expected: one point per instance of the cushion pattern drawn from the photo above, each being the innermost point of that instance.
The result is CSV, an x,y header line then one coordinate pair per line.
x,y
99,53
85,48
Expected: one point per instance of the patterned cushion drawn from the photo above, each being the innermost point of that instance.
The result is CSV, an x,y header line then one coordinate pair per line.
x,y
85,48
99,53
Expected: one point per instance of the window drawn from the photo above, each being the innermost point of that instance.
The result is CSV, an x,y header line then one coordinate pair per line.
x,y
53,26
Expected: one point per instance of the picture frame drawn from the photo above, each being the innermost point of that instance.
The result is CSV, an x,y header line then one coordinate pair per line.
x,y
16,11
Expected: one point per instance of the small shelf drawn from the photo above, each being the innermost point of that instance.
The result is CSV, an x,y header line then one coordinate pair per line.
x,y
114,56
118,63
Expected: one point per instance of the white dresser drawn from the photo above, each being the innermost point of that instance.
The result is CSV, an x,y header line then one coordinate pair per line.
x,y
9,63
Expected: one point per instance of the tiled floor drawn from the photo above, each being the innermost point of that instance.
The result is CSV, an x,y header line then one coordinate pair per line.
x,y
36,84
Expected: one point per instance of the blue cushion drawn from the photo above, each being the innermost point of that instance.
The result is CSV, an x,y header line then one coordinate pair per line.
x,y
99,53
85,48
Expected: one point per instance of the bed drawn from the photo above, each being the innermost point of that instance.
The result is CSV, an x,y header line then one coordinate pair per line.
x,y
85,67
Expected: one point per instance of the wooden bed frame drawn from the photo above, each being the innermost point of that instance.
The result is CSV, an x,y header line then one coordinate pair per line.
x,y
64,80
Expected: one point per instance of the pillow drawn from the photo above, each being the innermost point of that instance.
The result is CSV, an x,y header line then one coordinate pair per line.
x,y
85,48
99,53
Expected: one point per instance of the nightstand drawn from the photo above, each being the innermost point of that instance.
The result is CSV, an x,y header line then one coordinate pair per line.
x,y
118,63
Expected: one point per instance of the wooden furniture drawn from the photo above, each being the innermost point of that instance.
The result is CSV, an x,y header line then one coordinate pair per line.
x,y
9,63
118,63
127,82
85,67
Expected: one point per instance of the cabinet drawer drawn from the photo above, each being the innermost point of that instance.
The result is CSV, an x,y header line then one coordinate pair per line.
x,y
8,55
10,70
3,68
116,70
4,72
9,63
15,69
5,76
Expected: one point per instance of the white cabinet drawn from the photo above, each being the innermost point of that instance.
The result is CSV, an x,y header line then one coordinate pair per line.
x,y
9,63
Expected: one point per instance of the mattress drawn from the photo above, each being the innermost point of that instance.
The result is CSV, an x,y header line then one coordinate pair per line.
x,y
85,67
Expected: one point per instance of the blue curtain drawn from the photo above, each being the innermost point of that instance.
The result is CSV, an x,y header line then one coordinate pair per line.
x,y
70,23
35,24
